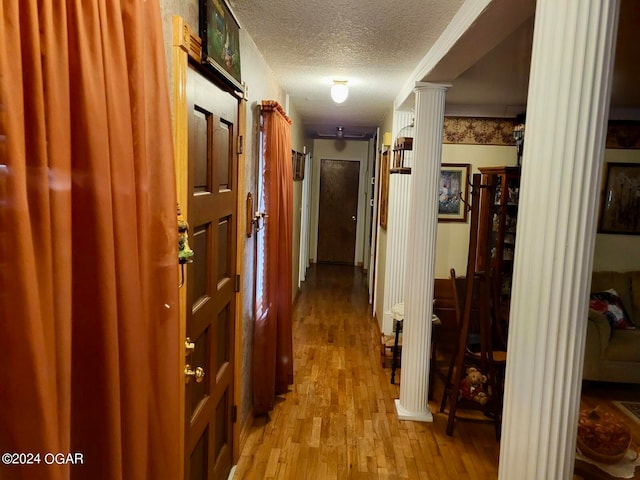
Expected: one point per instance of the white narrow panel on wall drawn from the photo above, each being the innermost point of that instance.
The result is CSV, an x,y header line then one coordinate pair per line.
x,y
306,211
399,193
396,255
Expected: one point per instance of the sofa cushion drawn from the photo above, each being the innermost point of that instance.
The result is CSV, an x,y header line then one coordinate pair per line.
x,y
619,281
610,305
623,346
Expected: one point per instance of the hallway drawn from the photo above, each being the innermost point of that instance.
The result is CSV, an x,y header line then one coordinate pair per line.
x,y
338,420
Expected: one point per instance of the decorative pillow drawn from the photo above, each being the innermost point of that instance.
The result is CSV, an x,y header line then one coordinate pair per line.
x,y
610,305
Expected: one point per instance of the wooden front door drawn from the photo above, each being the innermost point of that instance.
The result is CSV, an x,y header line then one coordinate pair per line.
x,y
338,211
211,282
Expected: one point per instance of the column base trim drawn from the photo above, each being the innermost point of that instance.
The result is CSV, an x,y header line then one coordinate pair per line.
x,y
404,414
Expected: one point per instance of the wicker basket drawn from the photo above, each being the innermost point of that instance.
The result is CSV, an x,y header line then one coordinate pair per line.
x,y
598,428
603,458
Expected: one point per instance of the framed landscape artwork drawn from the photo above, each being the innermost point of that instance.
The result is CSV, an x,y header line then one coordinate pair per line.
x,y
620,209
220,34
453,191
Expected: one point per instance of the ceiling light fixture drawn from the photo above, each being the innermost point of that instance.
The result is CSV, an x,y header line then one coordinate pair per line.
x,y
340,132
339,91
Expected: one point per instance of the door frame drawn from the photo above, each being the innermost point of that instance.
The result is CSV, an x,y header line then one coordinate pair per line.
x,y
187,44
315,199
358,229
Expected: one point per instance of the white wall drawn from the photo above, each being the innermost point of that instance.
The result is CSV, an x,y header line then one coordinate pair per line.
x,y
352,150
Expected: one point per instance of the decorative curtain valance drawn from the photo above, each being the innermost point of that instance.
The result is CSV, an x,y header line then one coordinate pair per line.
x,y
273,106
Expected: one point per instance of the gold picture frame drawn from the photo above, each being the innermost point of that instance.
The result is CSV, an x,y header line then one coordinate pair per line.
x,y
453,192
620,199
384,188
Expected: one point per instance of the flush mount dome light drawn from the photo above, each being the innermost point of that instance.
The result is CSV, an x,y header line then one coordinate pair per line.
x,y
339,91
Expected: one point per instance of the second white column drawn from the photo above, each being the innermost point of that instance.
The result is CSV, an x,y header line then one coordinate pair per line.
x,y
421,248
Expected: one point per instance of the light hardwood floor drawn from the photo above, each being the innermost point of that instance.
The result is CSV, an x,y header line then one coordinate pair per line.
x,y
338,420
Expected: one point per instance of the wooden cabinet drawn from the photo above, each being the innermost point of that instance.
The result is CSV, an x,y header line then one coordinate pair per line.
x,y
498,218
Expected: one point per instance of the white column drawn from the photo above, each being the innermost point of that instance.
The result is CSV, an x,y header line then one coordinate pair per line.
x,y
567,110
421,252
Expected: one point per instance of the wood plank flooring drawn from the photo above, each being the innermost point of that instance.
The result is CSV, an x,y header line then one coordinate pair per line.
x,y
338,420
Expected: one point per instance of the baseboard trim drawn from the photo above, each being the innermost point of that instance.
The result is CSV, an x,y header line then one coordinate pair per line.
x,y
244,431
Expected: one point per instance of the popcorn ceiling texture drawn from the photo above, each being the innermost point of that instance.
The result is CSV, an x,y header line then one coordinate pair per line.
x,y
375,45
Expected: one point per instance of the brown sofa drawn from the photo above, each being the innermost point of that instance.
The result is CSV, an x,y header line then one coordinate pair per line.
x,y
613,355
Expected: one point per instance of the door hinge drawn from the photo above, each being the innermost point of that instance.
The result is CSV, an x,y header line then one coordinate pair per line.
x,y
240,144
234,413
237,285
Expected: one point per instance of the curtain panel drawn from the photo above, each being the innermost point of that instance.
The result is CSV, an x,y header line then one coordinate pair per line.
x,y
89,347
273,343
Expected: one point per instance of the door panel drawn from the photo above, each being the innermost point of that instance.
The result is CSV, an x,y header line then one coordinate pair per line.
x,y
210,287
338,211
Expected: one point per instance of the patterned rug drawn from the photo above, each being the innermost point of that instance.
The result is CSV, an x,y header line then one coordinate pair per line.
x,y
631,409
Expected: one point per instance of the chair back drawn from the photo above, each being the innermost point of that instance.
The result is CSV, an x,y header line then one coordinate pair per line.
x,y
459,286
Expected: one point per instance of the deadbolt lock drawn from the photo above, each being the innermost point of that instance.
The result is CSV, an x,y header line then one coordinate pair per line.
x,y
197,374
189,346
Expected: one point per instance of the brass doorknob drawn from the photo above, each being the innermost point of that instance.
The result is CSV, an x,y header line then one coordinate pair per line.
x,y
197,373
189,346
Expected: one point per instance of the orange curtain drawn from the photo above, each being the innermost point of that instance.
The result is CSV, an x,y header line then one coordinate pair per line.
x,y
272,340
89,347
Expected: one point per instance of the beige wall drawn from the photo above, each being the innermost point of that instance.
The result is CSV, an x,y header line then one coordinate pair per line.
x,y
617,252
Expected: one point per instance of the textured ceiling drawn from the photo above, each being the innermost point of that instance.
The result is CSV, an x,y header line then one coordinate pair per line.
x,y
377,44
374,44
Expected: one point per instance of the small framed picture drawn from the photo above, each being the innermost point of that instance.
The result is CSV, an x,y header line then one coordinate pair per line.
x,y
620,208
384,188
453,192
298,166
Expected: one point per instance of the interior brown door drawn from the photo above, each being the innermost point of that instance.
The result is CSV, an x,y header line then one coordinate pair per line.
x,y
211,279
338,211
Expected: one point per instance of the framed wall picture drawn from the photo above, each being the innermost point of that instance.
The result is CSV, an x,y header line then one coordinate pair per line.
x,y
620,208
220,35
384,189
453,192
298,166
